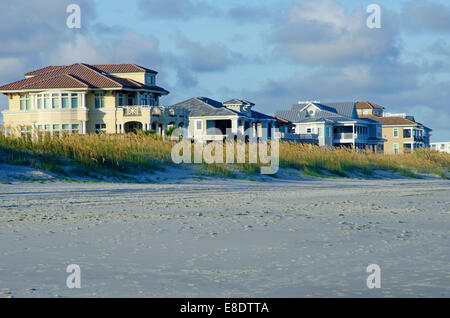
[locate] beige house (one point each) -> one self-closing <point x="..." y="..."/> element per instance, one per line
<point x="83" y="98"/>
<point x="402" y="133"/>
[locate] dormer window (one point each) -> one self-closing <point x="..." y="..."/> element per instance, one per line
<point x="310" y="112"/>
<point x="149" y="79"/>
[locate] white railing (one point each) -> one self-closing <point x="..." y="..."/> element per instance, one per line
<point x="290" y="136"/>
<point x="132" y="111"/>
<point x="347" y="135"/>
<point x="137" y="111"/>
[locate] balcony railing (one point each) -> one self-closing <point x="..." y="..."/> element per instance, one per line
<point x="346" y="135"/>
<point x="290" y="136"/>
<point x="132" y="111"/>
<point x="137" y="111"/>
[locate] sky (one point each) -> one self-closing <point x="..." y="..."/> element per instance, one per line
<point x="271" y="52"/>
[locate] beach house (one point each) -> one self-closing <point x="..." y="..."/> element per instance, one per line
<point x="335" y="124"/>
<point x="82" y="98"/>
<point x="441" y="146"/>
<point x="401" y="132"/>
<point x="210" y="119"/>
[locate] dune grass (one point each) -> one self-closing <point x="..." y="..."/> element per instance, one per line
<point x="134" y="153"/>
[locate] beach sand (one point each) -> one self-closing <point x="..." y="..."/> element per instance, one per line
<point x="217" y="237"/>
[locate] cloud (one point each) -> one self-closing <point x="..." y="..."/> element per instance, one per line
<point x="32" y="26"/>
<point x="244" y="13"/>
<point x="425" y="16"/>
<point x="322" y="32"/>
<point x="210" y="57"/>
<point x="176" y="9"/>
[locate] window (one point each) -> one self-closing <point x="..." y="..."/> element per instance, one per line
<point x="396" y="148"/>
<point x="25" y="131"/>
<point x="22" y="102"/>
<point x="121" y="99"/>
<point x="199" y="125"/>
<point x="65" y="100"/>
<point x="407" y="133"/>
<point x="55" y="127"/>
<point x="25" y="102"/>
<point x="328" y="132"/>
<point x="47" y="101"/>
<point x="100" y="128"/>
<point x="309" y="131"/>
<point x="55" y="100"/>
<point x="74" y="100"/>
<point x="47" y="128"/>
<point x="319" y="131"/>
<point x="75" y="128"/>
<point x="149" y="79"/>
<point x="130" y="100"/>
<point x="39" y="101"/>
<point x="396" y="132"/>
<point x="145" y="100"/>
<point x="99" y="100"/>
<point x="65" y="127"/>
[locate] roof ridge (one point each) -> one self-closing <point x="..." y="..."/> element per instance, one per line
<point x="225" y="108"/>
<point x="43" y="80"/>
<point x="49" y="68"/>
<point x="92" y="68"/>
<point x="76" y="78"/>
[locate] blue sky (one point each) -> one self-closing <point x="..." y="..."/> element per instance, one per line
<point x="272" y="52"/>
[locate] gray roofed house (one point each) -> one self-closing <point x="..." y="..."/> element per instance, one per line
<point x="336" y="124"/>
<point x="235" y="115"/>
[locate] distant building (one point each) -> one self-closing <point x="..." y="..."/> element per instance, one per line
<point x="335" y="124"/>
<point x="441" y="146"/>
<point x="402" y="133"/>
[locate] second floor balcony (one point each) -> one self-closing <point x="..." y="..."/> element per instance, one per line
<point x="157" y="111"/>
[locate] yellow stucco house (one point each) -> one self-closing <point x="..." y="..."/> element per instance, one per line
<point x="83" y="98"/>
<point x="401" y="132"/>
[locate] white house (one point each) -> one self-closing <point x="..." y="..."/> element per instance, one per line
<point x="236" y="115"/>
<point x="441" y="146"/>
<point x="336" y="124"/>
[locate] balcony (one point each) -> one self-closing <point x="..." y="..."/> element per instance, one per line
<point x="132" y="111"/>
<point x="158" y="111"/>
<point x="304" y="138"/>
<point x="347" y="135"/>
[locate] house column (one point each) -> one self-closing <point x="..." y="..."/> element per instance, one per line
<point x="83" y="127"/>
<point x="32" y="101"/>
<point x="234" y="126"/>
<point x="83" y="100"/>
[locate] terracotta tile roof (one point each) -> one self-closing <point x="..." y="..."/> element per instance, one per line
<point x="123" y="68"/>
<point x="43" y="70"/>
<point x="77" y="75"/>
<point x="367" y="105"/>
<point x="65" y="80"/>
<point x="391" y="121"/>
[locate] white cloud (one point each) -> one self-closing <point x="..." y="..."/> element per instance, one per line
<point x="323" y="32"/>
